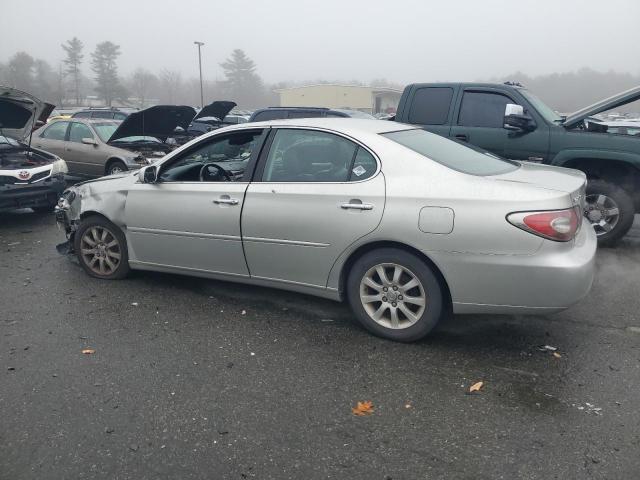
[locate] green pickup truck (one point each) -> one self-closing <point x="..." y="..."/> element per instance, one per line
<point x="509" y="121"/>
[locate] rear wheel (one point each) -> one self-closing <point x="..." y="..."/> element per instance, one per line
<point x="116" y="166"/>
<point x="101" y="249"/>
<point x="610" y="211"/>
<point x="395" y="295"/>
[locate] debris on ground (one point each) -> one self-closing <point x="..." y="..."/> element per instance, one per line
<point x="88" y="351"/>
<point x="547" y="348"/>
<point x="134" y="304"/>
<point x="588" y="408"/>
<point x="363" y="408"/>
<point x="244" y="312"/>
<point x="476" y="387"/>
<point x="557" y="355"/>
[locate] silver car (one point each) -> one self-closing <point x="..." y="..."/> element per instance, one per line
<point x="406" y="225"/>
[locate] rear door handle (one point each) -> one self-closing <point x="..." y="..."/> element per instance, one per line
<point x="462" y="136"/>
<point x="226" y="200"/>
<point x="356" y="206"/>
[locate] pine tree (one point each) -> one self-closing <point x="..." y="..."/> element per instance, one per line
<point x="103" y="64"/>
<point x="73" y="49"/>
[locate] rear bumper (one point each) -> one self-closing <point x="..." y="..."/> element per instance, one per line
<point x="40" y="194"/>
<point x="551" y="280"/>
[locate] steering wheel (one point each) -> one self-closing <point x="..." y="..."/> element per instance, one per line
<point x="204" y="170"/>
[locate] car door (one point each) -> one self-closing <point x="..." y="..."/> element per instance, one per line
<point x="314" y="193"/>
<point x="53" y="139"/>
<point x="189" y="220"/>
<point x="82" y="155"/>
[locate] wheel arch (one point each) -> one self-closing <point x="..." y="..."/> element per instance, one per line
<point x="112" y="160"/>
<point x="368" y="247"/>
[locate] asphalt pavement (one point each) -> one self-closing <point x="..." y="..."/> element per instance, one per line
<point x="198" y="379"/>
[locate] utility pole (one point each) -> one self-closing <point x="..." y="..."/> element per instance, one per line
<point x="200" y="44"/>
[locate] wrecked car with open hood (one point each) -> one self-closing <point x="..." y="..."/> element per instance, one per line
<point x="213" y="116"/>
<point x="29" y="177"/>
<point x="97" y="147"/>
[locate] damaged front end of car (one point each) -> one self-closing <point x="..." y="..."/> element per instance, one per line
<point x="105" y="196"/>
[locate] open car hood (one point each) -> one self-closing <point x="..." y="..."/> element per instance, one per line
<point x="19" y="112"/>
<point x="159" y="121"/>
<point x="218" y="109"/>
<point x="615" y="101"/>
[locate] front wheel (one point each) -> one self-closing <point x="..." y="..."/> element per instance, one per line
<point x="395" y="295"/>
<point x="116" y="167"/>
<point x="101" y="249"/>
<point x="610" y="211"/>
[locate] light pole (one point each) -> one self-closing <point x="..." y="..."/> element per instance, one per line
<point x="200" y="44"/>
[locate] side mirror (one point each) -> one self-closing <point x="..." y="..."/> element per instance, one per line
<point x="90" y="141"/>
<point x="148" y="174"/>
<point x="516" y="120"/>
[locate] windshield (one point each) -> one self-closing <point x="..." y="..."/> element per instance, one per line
<point x="451" y="154"/>
<point x="8" y="141"/>
<point x="105" y="130"/>
<point x="542" y="108"/>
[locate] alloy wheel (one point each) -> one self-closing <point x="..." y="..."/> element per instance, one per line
<point x="603" y="213"/>
<point x="100" y="250"/>
<point x="392" y="295"/>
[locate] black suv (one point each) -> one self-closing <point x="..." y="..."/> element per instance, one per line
<point x="279" y="113"/>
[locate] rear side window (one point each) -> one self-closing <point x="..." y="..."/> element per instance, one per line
<point x="451" y="154"/>
<point x="430" y="106"/>
<point x="364" y="166"/>
<point x="57" y="131"/>
<point x="119" y="116"/>
<point x="305" y="114"/>
<point x="82" y="115"/>
<point x="105" y="114"/>
<point x="483" y="109"/>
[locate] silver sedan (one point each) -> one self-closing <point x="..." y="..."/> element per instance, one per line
<point x="405" y="225"/>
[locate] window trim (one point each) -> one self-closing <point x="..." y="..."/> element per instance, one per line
<point x="248" y="173"/>
<point x="476" y="90"/>
<point x="262" y="160"/>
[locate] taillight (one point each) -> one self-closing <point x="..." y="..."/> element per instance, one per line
<point x="558" y="225"/>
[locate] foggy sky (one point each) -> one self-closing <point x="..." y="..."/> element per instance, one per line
<point x="294" y="40"/>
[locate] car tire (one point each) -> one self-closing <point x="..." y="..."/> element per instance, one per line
<point x="101" y="248"/>
<point x="116" y="166"/>
<point x="374" y="306"/>
<point x="602" y="198"/>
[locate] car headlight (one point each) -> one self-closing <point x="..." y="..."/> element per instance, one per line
<point x="141" y="160"/>
<point x="59" y="167"/>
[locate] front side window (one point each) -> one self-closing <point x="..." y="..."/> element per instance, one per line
<point x="78" y="132"/>
<point x="219" y="159"/>
<point x="298" y="155"/>
<point x="57" y="131"/>
<point x="451" y="154"/>
<point x="483" y="109"/>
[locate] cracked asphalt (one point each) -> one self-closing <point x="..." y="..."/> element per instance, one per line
<point x="198" y="379"/>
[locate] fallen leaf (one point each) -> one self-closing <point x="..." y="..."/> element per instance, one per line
<point x="363" y="408"/>
<point x="476" y="387"/>
<point x="557" y="355"/>
<point x="88" y="351"/>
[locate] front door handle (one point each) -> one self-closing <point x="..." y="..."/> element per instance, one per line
<point x="226" y="200"/>
<point x="462" y="136"/>
<point x="353" y="205"/>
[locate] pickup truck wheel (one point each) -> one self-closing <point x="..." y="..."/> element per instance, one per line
<point x="101" y="249"/>
<point x="395" y="295"/>
<point x="610" y="211"/>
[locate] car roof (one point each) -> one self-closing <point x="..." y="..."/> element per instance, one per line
<point x="345" y="125"/>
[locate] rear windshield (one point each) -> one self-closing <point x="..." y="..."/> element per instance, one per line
<point x="452" y="154"/>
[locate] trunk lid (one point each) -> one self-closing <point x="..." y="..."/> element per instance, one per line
<point x="614" y="101"/>
<point x="572" y="182"/>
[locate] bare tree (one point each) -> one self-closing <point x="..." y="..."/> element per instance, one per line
<point x="141" y="84"/>
<point x="170" y="84"/>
